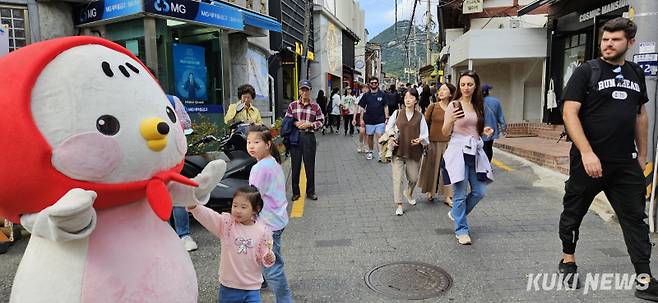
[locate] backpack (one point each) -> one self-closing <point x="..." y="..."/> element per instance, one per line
<point x="595" y="74"/>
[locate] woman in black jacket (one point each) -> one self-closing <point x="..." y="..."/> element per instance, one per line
<point x="322" y="101"/>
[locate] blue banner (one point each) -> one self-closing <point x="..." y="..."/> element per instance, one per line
<point x="216" y="14"/>
<point x="204" y="109"/>
<point x="190" y="72"/>
<point x="107" y="9"/>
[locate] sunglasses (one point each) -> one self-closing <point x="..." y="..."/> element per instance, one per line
<point x="619" y="78"/>
<point x="467" y="73"/>
<point x="374" y="82"/>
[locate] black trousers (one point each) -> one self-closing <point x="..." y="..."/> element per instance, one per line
<point x="347" y="122"/>
<point x="334" y="120"/>
<point x="304" y="151"/>
<point x="623" y="185"/>
<point x="488" y="149"/>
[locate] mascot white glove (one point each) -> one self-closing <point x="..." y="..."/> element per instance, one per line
<point x="208" y="179"/>
<point x="72" y="217"/>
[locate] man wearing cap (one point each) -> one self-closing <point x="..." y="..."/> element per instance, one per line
<point x="308" y="118"/>
<point x="493" y="117"/>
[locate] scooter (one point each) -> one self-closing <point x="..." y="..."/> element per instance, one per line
<point x="238" y="165"/>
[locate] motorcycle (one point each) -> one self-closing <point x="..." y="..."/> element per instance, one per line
<point x="233" y="146"/>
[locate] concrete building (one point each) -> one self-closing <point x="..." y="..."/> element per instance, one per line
<point x="373" y="60"/>
<point x="507" y="52"/>
<point x="286" y="66"/>
<point x="337" y="29"/>
<point x="30" y="21"/>
<point x="211" y="46"/>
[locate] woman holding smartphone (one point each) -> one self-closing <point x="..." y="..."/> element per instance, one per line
<point x="465" y="161"/>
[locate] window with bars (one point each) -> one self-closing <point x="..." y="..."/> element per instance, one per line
<point x="16" y="19"/>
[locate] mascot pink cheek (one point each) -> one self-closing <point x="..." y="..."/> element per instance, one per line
<point x="88" y="156"/>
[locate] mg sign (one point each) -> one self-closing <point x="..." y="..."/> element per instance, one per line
<point x="166" y="7"/>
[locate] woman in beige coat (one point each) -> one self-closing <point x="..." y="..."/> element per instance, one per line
<point x="430" y="181"/>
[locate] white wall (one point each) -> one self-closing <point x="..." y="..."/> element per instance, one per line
<point x="518" y="86"/>
<point x="498" y="3"/>
<point x="526" y="21"/>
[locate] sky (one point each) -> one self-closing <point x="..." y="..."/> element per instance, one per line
<point x="380" y="14"/>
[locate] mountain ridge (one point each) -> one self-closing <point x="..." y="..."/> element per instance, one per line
<point x="393" y="51"/>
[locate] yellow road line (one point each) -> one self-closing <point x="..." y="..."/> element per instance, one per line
<point x="297" y="210"/>
<point x="501" y="165"/>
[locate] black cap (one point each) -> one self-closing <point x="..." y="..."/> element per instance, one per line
<point x="305" y="83"/>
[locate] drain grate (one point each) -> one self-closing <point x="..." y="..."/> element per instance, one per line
<point x="408" y="280"/>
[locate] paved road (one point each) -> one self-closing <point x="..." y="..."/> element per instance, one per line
<point x="352" y="228"/>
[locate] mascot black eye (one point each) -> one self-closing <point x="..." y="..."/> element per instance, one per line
<point x="171" y="114"/>
<point x="107" y="125"/>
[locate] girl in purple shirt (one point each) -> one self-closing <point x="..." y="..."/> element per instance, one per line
<point x="267" y="176"/>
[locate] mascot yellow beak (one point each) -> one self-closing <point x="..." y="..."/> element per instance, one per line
<point x="154" y="131"/>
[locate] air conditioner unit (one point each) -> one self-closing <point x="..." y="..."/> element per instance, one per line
<point x="514" y="23"/>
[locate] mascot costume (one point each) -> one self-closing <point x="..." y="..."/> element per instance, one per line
<point x="90" y="161"/>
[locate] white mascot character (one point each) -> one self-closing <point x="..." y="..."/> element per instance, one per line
<point x="90" y="157"/>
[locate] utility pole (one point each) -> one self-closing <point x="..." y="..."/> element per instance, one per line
<point x="308" y="7"/>
<point x="646" y="18"/>
<point x="415" y="48"/>
<point x="645" y="15"/>
<point x="428" y="34"/>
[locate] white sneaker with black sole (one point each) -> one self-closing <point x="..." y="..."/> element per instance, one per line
<point x="189" y="243"/>
<point x="399" y="211"/>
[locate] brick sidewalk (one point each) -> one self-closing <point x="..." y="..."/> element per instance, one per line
<point x="545" y="152"/>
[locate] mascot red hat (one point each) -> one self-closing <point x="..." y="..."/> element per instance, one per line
<point x="29" y="182"/>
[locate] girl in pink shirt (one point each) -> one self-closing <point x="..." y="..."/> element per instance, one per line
<point x="246" y="245"/>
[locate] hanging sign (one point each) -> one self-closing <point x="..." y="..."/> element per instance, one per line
<point x="472" y="6"/>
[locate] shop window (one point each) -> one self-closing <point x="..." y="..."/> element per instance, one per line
<point x="16" y="19"/>
<point x="574" y="54"/>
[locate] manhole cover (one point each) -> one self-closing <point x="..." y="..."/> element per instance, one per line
<point x="408" y="280"/>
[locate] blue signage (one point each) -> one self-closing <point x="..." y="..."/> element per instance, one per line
<point x="216" y="14"/>
<point x="648" y="63"/>
<point x="107" y="9"/>
<point x="190" y="71"/>
<point x="204" y="109"/>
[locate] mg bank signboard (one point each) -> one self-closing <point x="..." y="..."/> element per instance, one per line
<point x="107" y="9"/>
<point x="216" y="14"/>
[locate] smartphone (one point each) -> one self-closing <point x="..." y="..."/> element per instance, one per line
<point x="458" y="107"/>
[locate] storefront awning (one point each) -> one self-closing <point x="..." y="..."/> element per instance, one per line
<point x="532" y="6"/>
<point x="260" y="21"/>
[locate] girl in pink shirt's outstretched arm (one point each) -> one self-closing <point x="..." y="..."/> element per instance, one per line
<point x="246" y="245"/>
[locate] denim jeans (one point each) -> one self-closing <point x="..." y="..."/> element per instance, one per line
<point x="274" y="275"/>
<point x="181" y="221"/>
<point x="233" y="295"/>
<point x="463" y="204"/>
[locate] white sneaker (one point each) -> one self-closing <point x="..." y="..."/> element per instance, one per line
<point x="369" y="156"/>
<point x="464" y="239"/>
<point x="358" y="150"/>
<point x="189" y="243"/>
<point x="399" y="211"/>
<point x="450" y="216"/>
<point x="410" y="199"/>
